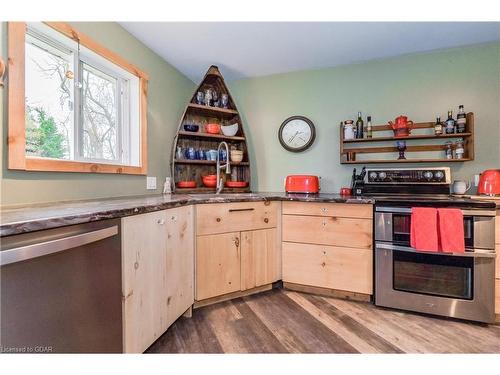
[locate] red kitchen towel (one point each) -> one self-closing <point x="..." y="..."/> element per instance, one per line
<point x="423" y="230"/>
<point x="451" y="230"/>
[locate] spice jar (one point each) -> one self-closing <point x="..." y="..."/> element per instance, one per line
<point x="459" y="149"/>
<point x="449" y="150"/>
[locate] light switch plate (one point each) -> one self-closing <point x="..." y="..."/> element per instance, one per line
<point x="151" y="183"/>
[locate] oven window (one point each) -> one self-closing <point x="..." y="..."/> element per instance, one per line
<point x="437" y="275"/>
<point x="401" y="227"/>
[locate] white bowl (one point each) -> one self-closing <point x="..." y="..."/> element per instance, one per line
<point x="230" y="130"/>
<point x="236" y="158"/>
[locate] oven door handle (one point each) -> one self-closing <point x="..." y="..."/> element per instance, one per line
<point x="407" y="210"/>
<point x="475" y="254"/>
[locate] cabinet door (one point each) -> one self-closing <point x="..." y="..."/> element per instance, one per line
<point x="217" y="265"/>
<point x="144" y="260"/>
<point x="260" y="258"/>
<point x="180" y="262"/>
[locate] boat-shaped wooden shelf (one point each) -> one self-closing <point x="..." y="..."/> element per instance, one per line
<point x="350" y="152"/>
<point x="184" y="169"/>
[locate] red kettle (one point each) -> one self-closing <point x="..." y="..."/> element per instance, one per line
<point x="489" y="182"/>
<point x="402" y="126"/>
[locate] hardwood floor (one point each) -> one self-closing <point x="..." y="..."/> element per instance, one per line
<point x="281" y="321"/>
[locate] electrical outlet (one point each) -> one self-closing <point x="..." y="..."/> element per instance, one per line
<point x="151" y="183"/>
<point x="476" y="180"/>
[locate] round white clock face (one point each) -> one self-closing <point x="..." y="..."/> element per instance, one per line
<point x="296" y="133"/>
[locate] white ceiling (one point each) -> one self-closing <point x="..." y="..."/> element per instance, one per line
<point x="251" y="49"/>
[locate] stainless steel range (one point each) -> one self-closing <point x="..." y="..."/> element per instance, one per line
<point x="458" y="285"/>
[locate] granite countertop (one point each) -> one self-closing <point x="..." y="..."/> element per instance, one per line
<point x="30" y="218"/>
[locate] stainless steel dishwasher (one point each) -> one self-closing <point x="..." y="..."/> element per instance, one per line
<point x="60" y="290"/>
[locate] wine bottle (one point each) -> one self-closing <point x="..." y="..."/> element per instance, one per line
<point x="461" y="119"/>
<point x="450" y="123"/>
<point x="438" y="127"/>
<point x="369" y="127"/>
<point x="359" y="126"/>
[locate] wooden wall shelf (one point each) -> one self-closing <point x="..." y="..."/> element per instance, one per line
<point x="354" y="148"/>
<point x="373" y="161"/>
<point x="222" y="137"/>
<point x="207" y="162"/>
<point x="193" y="170"/>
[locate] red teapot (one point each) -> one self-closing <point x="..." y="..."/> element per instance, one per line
<point x="402" y="127"/>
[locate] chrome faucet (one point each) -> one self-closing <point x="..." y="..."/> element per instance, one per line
<point x="220" y="183"/>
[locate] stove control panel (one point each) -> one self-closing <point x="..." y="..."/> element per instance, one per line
<point x="439" y="175"/>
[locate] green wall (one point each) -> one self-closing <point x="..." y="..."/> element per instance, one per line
<point x="421" y="86"/>
<point x="168" y="93"/>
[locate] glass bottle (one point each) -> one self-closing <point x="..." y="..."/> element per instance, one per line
<point x="461" y="119"/>
<point x="450" y="123"/>
<point x="369" y="127"/>
<point x="359" y="126"/>
<point x="438" y="127"/>
<point x="449" y="150"/>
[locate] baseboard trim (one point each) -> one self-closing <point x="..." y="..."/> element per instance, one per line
<point x="328" y="292"/>
<point x="227" y="297"/>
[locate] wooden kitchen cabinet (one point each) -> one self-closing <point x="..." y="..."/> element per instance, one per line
<point x="260" y="258"/>
<point x="333" y="267"/>
<point x="217" y="264"/>
<point x="238" y="247"/>
<point x="180" y="262"/>
<point x="328" y="245"/>
<point x="337" y="231"/>
<point x="235" y="217"/>
<point x="157" y="274"/>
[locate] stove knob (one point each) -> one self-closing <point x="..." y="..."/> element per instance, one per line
<point x="382" y="175"/>
<point x="428" y="175"/>
<point x="373" y="175"/>
<point x="439" y="175"/>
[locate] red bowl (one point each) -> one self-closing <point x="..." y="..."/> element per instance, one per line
<point x="236" y="184"/>
<point x="209" y="177"/>
<point x="212" y="128"/>
<point x="186" y="184"/>
<point x="210" y="183"/>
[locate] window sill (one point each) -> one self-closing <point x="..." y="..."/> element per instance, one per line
<point x="54" y="165"/>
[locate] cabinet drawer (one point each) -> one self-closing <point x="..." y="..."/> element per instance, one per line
<point x="364" y="211"/>
<point x="497" y="296"/>
<point x="335" y="231"/>
<point x="331" y="267"/>
<point x="235" y="217"/>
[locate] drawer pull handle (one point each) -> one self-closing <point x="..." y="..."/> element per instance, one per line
<point x="323" y="264"/>
<point x="267" y="203"/>
<point x="240" y="209"/>
<point x="236" y="242"/>
<point x="218" y="219"/>
<point x="266" y="220"/>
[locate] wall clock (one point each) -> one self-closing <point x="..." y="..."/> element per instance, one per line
<point x="296" y="133"/>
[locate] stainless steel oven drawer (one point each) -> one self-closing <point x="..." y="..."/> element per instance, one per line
<point x="478" y="305"/>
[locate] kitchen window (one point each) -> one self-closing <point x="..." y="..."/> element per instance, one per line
<point x="74" y="106"/>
